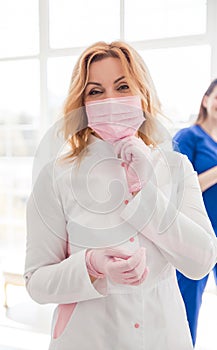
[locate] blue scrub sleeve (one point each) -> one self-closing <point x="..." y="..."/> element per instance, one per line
<point x="184" y="142"/>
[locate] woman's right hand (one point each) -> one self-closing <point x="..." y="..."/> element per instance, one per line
<point x="118" y="265"/>
<point x="137" y="161"/>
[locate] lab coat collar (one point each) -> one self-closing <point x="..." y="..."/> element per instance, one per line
<point x="98" y="145"/>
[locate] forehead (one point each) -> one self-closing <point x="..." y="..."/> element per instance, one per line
<point x="107" y="69"/>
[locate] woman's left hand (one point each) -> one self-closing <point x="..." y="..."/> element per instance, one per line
<point x="136" y="161"/>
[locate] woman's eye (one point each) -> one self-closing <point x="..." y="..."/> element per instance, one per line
<point x="94" y="92"/>
<point x="123" y="87"/>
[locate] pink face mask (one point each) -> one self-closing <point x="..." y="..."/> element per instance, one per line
<point x="115" y="118"/>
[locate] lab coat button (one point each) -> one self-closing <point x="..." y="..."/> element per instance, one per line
<point x="136" y="325"/>
<point x="132" y="239"/>
<point x="123" y="164"/>
<point x="126" y="201"/>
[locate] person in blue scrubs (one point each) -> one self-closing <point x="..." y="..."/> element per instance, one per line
<point x="199" y="143"/>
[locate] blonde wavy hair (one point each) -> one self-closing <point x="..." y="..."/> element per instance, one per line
<point x="138" y="79"/>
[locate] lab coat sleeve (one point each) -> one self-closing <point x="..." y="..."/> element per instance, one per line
<point x="180" y="228"/>
<point x="51" y="276"/>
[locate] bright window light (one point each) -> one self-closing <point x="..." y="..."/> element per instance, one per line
<point x="154" y="19"/>
<point x="181" y="75"/>
<point x="19" y="31"/>
<point x="80" y="23"/>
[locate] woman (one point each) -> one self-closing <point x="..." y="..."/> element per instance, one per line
<point x="199" y="143"/>
<point x="109" y="222"/>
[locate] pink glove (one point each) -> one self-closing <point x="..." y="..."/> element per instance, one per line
<point x="137" y="161"/>
<point x="120" y="266"/>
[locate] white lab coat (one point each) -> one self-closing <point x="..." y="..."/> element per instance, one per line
<point x="72" y="209"/>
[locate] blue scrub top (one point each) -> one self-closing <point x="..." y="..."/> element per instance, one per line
<point x="201" y="150"/>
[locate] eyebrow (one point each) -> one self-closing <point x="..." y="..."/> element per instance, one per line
<point x="98" y="84"/>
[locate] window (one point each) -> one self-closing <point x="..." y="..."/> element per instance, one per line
<point x="20" y="104"/>
<point x="19" y="123"/>
<point x="59" y="74"/>
<point x="84" y="22"/>
<point x="19" y="34"/>
<point x="154" y="19"/>
<point x="181" y="75"/>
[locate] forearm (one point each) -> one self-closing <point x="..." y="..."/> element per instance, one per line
<point x="183" y="234"/>
<point x="62" y="283"/>
<point x="190" y="247"/>
<point x="208" y="178"/>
